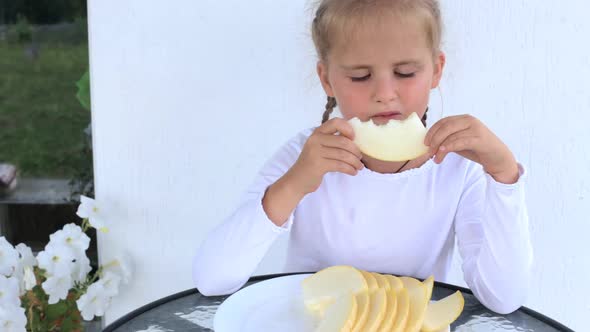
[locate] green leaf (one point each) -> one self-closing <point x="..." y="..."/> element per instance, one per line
<point x="83" y="94"/>
<point x="70" y="323"/>
<point x="37" y="323"/>
<point x="40" y="294"/>
<point x="24" y="300"/>
<point x="56" y="311"/>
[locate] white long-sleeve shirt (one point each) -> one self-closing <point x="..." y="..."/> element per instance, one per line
<point x="403" y="224"/>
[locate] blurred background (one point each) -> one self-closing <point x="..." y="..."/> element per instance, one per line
<point x="44" y="48"/>
<point x="189" y="99"/>
<point x="45" y="135"/>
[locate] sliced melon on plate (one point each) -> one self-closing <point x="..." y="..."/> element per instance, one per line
<point x="323" y="287"/>
<point x="429" y="283"/>
<point x="378" y="305"/>
<point x="410" y="283"/>
<point x="403" y="311"/>
<point x="418" y="304"/>
<point x="371" y="281"/>
<point x="443" y="312"/>
<point x="381" y="281"/>
<point x="390" y="312"/>
<point x="340" y="316"/>
<point x="362" y="312"/>
<point x="394" y="282"/>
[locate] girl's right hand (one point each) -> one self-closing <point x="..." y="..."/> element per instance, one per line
<point x="323" y="152"/>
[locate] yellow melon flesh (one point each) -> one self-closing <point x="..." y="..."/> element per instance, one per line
<point x="442" y="313"/>
<point x="371" y="281"/>
<point x="321" y="289"/>
<point x="429" y="283"/>
<point x="403" y="311"/>
<point x="346" y="299"/>
<point x="378" y="305"/>
<point x="418" y="303"/>
<point x="394" y="282"/>
<point x="390" y="312"/>
<point x="381" y="281"/>
<point x="340" y="316"/>
<point x="362" y="313"/>
<point x="398" y="140"/>
<point x="410" y="283"/>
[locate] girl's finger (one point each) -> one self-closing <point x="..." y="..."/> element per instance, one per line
<point x="344" y="156"/>
<point x="446" y="130"/>
<point x="340" y="142"/>
<point x="435" y="127"/>
<point x="340" y="166"/>
<point x="457" y="142"/>
<point x="337" y="125"/>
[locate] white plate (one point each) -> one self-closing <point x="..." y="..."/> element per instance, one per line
<point x="270" y="305"/>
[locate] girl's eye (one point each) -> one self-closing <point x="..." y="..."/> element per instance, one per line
<point x="360" y="79"/>
<point x="402" y="75"/>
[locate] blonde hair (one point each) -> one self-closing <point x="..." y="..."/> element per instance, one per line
<point x="338" y="19"/>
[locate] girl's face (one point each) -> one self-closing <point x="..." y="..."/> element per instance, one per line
<point x="382" y="73"/>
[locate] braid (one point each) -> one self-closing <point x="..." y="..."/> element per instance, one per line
<point x="424" y="117"/>
<point x="329" y="108"/>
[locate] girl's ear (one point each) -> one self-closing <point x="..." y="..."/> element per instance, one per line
<point x="322" y="70"/>
<point x="439" y="64"/>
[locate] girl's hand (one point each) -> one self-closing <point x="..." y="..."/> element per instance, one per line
<point x="326" y="152"/>
<point x="470" y="138"/>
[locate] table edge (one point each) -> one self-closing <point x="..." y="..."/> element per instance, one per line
<point x="131" y="315"/>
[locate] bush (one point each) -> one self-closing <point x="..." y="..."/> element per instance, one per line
<point x="21" y="32"/>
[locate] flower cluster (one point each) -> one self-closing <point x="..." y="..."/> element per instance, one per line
<point x="52" y="291"/>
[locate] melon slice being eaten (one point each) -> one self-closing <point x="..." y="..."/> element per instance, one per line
<point x="398" y="140"/>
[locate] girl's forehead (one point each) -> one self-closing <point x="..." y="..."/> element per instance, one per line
<point x="391" y="41"/>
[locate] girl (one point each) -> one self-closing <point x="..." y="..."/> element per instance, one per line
<point x="378" y="60"/>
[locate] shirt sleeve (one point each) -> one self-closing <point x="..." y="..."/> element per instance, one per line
<point x="492" y="230"/>
<point x="230" y="253"/>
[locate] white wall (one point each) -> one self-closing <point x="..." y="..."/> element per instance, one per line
<point x="191" y="97"/>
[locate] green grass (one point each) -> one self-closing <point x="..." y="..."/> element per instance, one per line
<point x="41" y="121"/>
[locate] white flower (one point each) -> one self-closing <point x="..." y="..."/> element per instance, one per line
<point x="9" y="292"/>
<point x="110" y="282"/>
<point x="56" y="260"/>
<point x="94" y="302"/>
<point x="57" y="287"/>
<point x="121" y="266"/>
<point x="29" y="278"/>
<point x="12" y="319"/>
<point x="26" y="255"/>
<point x="81" y="268"/>
<point x="8" y="257"/>
<point x="26" y="260"/>
<point x="71" y="236"/>
<point x="88" y="209"/>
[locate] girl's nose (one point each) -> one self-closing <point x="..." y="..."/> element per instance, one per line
<point x="385" y="90"/>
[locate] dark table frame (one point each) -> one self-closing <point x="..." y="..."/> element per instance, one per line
<point x="135" y="313"/>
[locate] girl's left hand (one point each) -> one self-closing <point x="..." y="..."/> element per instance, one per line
<point x="470" y="138"/>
